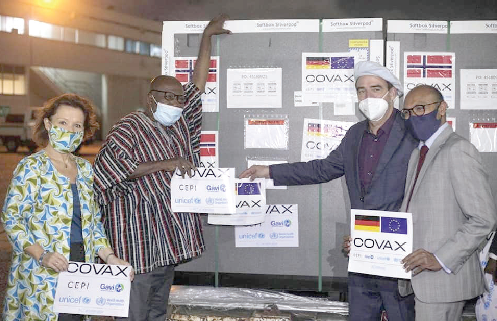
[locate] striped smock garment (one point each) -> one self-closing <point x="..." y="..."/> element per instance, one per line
<point x="137" y="213"/>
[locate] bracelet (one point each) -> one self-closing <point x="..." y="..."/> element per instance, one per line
<point x="40" y="260"/>
<point x="107" y="257"/>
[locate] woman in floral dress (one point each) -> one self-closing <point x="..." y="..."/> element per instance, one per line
<point x="49" y="214"/>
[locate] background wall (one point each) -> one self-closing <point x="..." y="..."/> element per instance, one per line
<point x="161" y="10"/>
<point x="124" y="95"/>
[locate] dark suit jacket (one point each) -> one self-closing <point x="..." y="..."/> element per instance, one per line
<point x="387" y="187"/>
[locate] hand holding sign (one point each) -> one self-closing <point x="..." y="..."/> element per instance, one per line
<point x="114" y="260"/>
<point x="421" y="260"/>
<point x="181" y="165"/>
<point x="255" y="171"/>
<point x="55" y="261"/>
<point x="346" y="245"/>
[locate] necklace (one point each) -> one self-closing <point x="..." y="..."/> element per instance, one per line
<point x="65" y="162"/>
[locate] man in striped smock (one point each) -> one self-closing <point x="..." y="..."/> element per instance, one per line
<point x="133" y="173"/>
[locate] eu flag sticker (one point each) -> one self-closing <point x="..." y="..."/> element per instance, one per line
<point x="394" y="225"/>
<point x="248" y="189"/>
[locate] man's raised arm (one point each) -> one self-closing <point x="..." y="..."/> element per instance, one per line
<point x="215" y="27"/>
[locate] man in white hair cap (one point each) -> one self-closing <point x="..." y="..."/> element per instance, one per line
<point x="373" y="157"/>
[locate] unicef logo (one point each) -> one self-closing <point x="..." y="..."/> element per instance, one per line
<point x="119" y="287"/>
<point x="261" y="235"/>
<point x="222" y="187"/>
<point x="197" y="200"/>
<point x="86" y="300"/>
<point x="273" y="235"/>
<point x="287" y="223"/>
<point x="100" y="301"/>
<point x="209" y="201"/>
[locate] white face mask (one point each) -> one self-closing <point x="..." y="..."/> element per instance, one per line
<point x="166" y="114"/>
<point x="374" y="108"/>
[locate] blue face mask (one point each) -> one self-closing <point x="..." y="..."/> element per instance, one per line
<point x="422" y="127"/>
<point x="166" y="114"/>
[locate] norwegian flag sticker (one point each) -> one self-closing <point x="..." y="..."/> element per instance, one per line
<point x="436" y="69"/>
<point x="209" y="149"/>
<point x="429" y="66"/>
<point x="184" y="67"/>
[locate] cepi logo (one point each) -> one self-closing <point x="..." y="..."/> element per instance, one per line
<point x="285" y="223"/>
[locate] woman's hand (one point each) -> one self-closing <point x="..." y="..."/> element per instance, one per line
<point x="55" y="261"/>
<point x="114" y="260"/>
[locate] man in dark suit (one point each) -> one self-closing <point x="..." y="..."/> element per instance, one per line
<point x="373" y="156"/>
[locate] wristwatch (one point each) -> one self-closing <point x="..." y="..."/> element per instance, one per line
<point x="40" y="260"/>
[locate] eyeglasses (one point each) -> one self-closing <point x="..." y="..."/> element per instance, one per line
<point x="172" y="96"/>
<point x="418" y="110"/>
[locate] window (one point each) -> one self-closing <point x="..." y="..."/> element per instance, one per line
<point x="91" y="38"/>
<point x="115" y="43"/>
<point x="144" y="48"/>
<point x="155" y="50"/>
<point x="69" y="34"/>
<point x="131" y="46"/>
<point x="12" y="24"/>
<point x="12" y="80"/>
<point x="56" y="32"/>
<point x="45" y="30"/>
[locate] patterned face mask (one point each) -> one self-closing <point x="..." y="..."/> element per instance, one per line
<point x="64" y="141"/>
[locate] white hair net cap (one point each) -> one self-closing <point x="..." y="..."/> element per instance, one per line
<point x="363" y="68"/>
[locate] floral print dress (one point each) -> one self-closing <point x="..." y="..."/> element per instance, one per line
<point x="38" y="208"/>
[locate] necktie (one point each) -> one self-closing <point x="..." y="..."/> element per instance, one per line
<point x="422" y="156"/>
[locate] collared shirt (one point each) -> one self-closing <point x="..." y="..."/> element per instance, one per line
<point x="370" y="151"/>
<point x="137" y="212"/>
<point x="434" y="136"/>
